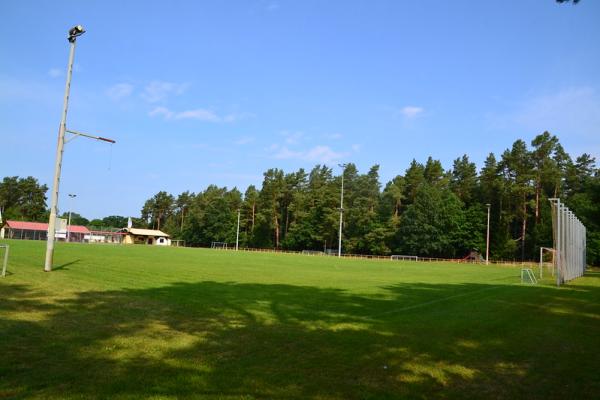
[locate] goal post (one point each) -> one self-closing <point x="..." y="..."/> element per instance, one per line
<point x="218" y="245"/>
<point x="527" y="276"/>
<point x="551" y="265"/>
<point x="313" y="252"/>
<point x="4" y="259"/>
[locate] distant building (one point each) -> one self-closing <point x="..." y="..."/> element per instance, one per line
<point x="104" y="237"/>
<point x="145" y="236"/>
<point x="39" y="231"/>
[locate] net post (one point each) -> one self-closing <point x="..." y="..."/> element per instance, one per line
<point x="5" y="263"/>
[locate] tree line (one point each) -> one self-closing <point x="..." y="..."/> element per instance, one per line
<point x="427" y="211"/>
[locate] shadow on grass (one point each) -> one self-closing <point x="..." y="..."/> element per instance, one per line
<point x="229" y="340"/>
<point x="65" y="265"/>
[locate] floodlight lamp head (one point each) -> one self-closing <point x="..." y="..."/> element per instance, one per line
<point x="74" y="32"/>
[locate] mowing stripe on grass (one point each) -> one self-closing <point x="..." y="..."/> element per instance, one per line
<point x="427" y="303"/>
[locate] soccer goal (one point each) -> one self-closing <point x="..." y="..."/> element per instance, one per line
<point x="178" y="243"/>
<point x="312" y="252"/>
<point x="219" y="245"/>
<point x="4" y="247"/>
<point x="527" y="276"/>
<point x="569" y="236"/>
<point x="547" y="253"/>
<point x="399" y="257"/>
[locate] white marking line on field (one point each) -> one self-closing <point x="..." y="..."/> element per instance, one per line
<point x="427" y="303"/>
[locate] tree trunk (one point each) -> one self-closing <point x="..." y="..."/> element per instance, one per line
<point x="287" y="220"/>
<point x="524" y="228"/>
<point x="538" y="189"/>
<point x="276" y="232"/>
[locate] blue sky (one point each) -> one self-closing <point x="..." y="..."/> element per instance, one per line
<point x="219" y="91"/>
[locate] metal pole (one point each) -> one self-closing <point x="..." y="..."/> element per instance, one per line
<point x="556" y="208"/>
<point x="71" y="196"/>
<point x="68" y="226"/>
<point x="341" y="212"/>
<point x="487" y="242"/>
<point x="560" y="240"/>
<point x="58" y="165"/>
<point x="541" y="264"/>
<point x="5" y="263"/>
<point x="237" y="235"/>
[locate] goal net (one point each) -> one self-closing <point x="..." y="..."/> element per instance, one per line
<point x="312" y="252"/>
<point x="569" y="236"/>
<point x="400" y="257"/>
<point x="547" y="260"/>
<point x="218" y="245"/>
<point x="527" y="276"/>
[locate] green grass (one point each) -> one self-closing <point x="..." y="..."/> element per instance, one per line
<point x="126" y="322"/>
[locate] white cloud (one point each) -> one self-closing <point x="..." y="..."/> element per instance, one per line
<point x="335" y="136"/>
<point x="243" y="140"/>
<point x="200" y="114"/>
<point x="323" y="154"/>
<point x="161" y="111"/>
<point x="292" y="137"/>
<point x="272" y="6"/>
<point x="237" y="116"/>
<point x="411" y="111"/>
<point x="157" y="91"/>
<point x="119" y="91"/>
<point x="320" y="154"/>
<point x="55" y="72"/>
<point x="569" y="111"/>
<point x="356" y="147"/>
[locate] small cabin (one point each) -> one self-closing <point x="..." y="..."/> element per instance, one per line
<point x="145" y="236"/>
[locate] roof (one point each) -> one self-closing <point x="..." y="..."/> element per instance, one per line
<point x="42" y="226"/>
<point x="145" y="232"/>
<point x="106" y="233"/>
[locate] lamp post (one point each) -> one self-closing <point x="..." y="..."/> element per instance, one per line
<point x="487" y="240"/>
<point x="343" y="166"/>
<point x="72" y="196"/>
<point x="73" y="34"/>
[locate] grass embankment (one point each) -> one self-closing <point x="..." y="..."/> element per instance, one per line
<point x="147" y="322"/>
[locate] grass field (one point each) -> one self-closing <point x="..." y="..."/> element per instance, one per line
<point x="126" y="322"/>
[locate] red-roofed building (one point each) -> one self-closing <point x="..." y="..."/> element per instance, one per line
<point x="39" y="231"/>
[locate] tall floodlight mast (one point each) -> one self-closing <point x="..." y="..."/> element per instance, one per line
<point x="74" y="33"/>
<point x="343" y="166"/>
